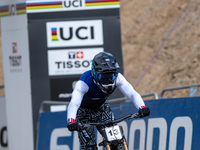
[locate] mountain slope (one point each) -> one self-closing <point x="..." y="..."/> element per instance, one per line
<point x="161" y="44"/>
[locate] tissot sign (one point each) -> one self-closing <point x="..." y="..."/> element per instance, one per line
<point x="74" y="33"/>
<point x="73" y="61"/>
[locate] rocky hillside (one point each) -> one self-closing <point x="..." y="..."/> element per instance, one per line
<point x="161" y="44"/>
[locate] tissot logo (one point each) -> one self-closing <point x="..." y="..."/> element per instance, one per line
<point x="74" y="33"/>
<point x="73" y="61"/>
<point x="75" y="55"/>
<point x="79" y="55"/>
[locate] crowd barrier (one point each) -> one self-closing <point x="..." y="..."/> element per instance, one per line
<point x="173" y="124"/>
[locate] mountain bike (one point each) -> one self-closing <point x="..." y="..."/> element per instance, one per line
<point x="113" y="135"/>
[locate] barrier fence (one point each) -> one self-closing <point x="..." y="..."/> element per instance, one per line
<point x="112" y="101"/>
<point x="171" y="125"/>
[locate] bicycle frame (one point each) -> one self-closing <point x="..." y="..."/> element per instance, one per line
<point x="113" y="135"/>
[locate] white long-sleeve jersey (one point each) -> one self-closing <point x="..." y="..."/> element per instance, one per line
<point x="87" y="94"/>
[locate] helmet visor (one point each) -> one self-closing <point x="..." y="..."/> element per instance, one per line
<point x="104" y="77"/>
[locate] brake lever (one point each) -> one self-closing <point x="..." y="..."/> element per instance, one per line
<point x="136" y="115"/>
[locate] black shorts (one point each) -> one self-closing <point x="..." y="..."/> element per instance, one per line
<point x="84" y="115"/>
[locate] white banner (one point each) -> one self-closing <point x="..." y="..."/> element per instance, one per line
<point x="17" y="82"/>
<point x="71" y="61"/>
<point x="74" y="33"/>
<point x="35" y="6"/>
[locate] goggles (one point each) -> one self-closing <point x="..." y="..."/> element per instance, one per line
<point x="103" y="77"/>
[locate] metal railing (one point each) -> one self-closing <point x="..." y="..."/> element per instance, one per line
<point x="193" y="92"/>
<point x="125" y="99"/>
<point x="150" y="94"/>
<point x="193" y="89"/>
<point x="111" y="101"/>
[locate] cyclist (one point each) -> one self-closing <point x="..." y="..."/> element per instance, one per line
<point x="89" y="97"/>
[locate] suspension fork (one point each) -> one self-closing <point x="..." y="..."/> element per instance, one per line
<point x="108" y="147"/>
<point x="124" y="139"/>
<point x="104" y="143"/>
<point x="125" y="145"/>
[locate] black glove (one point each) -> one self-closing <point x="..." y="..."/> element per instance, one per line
<point x="144" y="112"/>
<point x="72" y="126"/>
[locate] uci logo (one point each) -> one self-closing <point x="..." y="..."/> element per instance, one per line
<point x="68" y="34"/>
<point x="74" y="33"/>
<point x="72" y="3"/>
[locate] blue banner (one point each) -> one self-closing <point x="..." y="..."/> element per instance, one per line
<point x="173" y="124"/>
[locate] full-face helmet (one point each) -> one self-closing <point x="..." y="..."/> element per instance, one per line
<point x="104" y="71"/>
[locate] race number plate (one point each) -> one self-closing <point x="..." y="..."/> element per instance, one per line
<point x="113" y="133"/>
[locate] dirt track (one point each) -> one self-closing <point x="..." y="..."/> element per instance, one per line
<point x="161" y="44"/>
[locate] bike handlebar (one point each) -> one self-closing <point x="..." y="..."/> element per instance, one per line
<point x="89" y="125"/>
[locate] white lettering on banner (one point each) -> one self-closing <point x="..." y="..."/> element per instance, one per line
<point x="178" y="122"/>
<point x="140" y="125"/>
<point x="74" y="33"/>
<point x="63" y="132"/>
<point x="56" y="133"/>
<point x="162" y="125"/>
<point x="71" y="61"/>
<point x="64" y="95"/>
